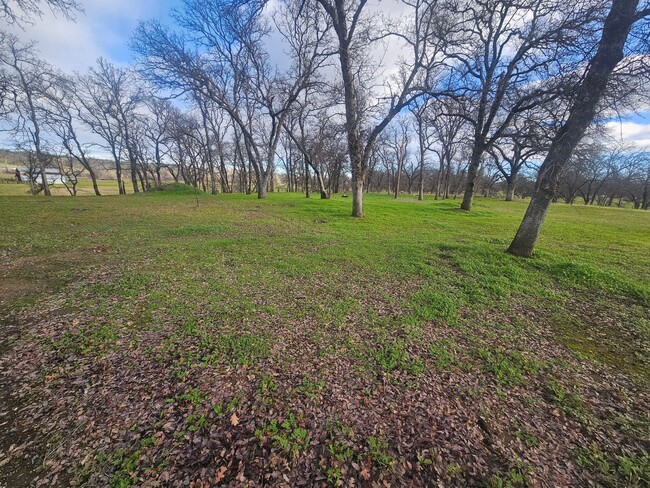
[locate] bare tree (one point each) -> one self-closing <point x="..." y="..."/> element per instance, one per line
<point x="513" y="152"/>
<point x="232" y="68"/>
<point x="313" y="132"/>
<point x="157" y="127"/>
<point x="420" y="35"/>
<point x="63" y="121"/>
<point x="70" y="171"/>
<point x="449" y="127"/>
<point x="108" y="97"/>
<point x="616" y="29"/>
<point x="507" y="57"/>
<point x="422" y="124"/>
<point x="398" y="140"/>
<point x="23" y="11"/>
<point x="32" y="84"/>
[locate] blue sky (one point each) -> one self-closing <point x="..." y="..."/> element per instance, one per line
<point x="103" y="30"/>
<point x="106" y="26"/>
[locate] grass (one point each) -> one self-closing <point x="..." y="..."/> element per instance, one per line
<point x="84" y="188"/>
<point x="287" y="290"/>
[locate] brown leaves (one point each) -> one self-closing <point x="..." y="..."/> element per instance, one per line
<point x="220" y="475"/>
<point x="435" y="424"/>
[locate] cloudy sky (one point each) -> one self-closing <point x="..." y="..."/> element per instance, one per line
<point x="103" y="30"/>
<point x="105" y="27"/>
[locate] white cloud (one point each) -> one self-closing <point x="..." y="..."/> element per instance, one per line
<point x="102" y="30"/>
<point x="635" y="133"/>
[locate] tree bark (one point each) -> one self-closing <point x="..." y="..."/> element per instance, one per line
<point x="511" y="184"/>
<point x="357" y="195"/>
<point x="307" y="185"/>
<point x="421" y="187"/>
<point x="472" y="173"/>
<point x="610" y="52"/>
<point x="398" y="177"/>
<point x="93" y="178"/>
<point x="261" y="186"/>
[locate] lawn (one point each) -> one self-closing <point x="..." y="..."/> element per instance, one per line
<point x="84" y="188"/>
<point x="173" y="339"/>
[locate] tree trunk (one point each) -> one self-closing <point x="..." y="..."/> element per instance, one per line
<point x="446" y="182"/>
<point x="93" y="178"/>
<point x="143" y="184"/>
<point x="357" y="195"/>
<point x="249" y="187"/>
<point x="422" y="152"/>
<point x="472" y="173"/>
<point x="45" y="184"/>
<point x="307" y="185"/>
<point x="261" y="187"/>
<point x="134" y="178"/>
<point x="610" y="52"/>
<point x="321" y="184"/>
<point x="511" y="183"/>
<point x="439" y="178"/>
<point x="398" y="177"/>
<point x="118" y="175"/>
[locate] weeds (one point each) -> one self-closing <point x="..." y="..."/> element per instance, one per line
<point x="568" y="401"/>
<point x="442" y="352"/>
<point x="378" y="447"/>
<point x="509" y="368"/>
<point x="286" y="435"/>
<point x="391" y="356"/>
<point x="631" y="471"/>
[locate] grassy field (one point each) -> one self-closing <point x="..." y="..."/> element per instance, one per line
<point x="84" y="188"/>
<point x="172" y="339"/>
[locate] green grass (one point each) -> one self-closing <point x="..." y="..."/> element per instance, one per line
<point x="84" y="188"/>
<point x="454" y="260"/>
<point x="411" y="293"/>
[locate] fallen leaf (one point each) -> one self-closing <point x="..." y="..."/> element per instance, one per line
<point x="220" y="475"/>
<point x="234" y="420"/>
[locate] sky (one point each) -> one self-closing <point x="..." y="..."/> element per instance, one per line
<point x="105" y="27"/>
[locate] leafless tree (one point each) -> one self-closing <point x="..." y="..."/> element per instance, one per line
<point x="449" y="126"/>
<point x="507" y="57"/>
<point x="32" y="82"/>
<point x="613" y="47"/>
<point x="157" y="127"/>
<point x="526" y="141"/>
<point x="70" y="171"/>
<point x="231" y="67"/>
<point x="398" y="140"/>
<point x="423" y="129"/>
<point x="107" y="106"/>
<point x="23" y="11"/>
<point x="420" y="35"/>
<point x="312" y="129"/>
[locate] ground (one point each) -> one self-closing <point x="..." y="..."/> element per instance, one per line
<point x="85" y="188"/>
<point x="181" y="340"/>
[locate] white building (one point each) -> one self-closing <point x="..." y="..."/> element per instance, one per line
<point x="53" y="176"/>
